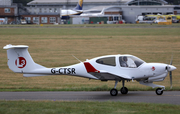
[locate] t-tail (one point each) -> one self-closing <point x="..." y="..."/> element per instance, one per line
<point x="79" y="5"/>
<point x="19" y="59"/>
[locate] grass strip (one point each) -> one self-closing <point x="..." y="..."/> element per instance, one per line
<point x="84" y="107"/>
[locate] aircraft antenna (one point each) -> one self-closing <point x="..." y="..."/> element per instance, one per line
<point x="77" y="59"/>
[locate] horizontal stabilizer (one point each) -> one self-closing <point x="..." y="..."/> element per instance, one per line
<point x="15" y="46"/>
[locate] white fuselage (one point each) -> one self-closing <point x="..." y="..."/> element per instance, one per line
<point x="91" y="14"/>
<point x="146" y="71"/>
<point x="66" y="13"/>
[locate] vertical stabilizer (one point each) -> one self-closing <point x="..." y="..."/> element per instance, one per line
<point x="79" y="5"/>
<point x="19" y="59"/>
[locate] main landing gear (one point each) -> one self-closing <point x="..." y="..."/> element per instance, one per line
<point x="123" y="90"/>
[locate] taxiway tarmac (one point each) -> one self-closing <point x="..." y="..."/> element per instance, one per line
<point x="168" y="97"/>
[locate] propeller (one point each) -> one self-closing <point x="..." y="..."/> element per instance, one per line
<point x="170" y="68"/>
<point x="170" y="76"/>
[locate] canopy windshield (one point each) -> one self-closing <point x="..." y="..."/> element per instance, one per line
<point x="130" y="61"/>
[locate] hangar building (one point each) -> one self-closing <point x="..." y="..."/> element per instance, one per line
<point x="129" y="9"/>
<point x="48" y="11"/>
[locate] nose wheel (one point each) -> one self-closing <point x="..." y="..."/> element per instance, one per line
<point x="159" y="91"/>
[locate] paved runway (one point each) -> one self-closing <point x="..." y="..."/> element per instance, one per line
<point x="168" y="97"/>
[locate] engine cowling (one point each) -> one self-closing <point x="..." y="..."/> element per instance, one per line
<point x="157" y="78"/>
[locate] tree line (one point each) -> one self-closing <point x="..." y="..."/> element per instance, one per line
<point x="24" y="2"/>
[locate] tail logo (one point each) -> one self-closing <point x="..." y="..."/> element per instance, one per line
<point x="20" y="62"/>
<point x="80" y="2"/>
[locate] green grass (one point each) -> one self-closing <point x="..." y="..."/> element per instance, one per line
<point x="90" y="31"/>
<point x="82" y="107"/>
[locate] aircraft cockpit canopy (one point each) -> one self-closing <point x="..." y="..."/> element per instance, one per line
<point x="130" y="61"/>
<point x="124" y="61"/>
<point x="107" y="61"/>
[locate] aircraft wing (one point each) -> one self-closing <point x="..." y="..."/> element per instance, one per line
<point x="85" y="10"/>
<point x="89" y="10"/>
<point x="102" y="74"/>
<point x="79" y="10"/>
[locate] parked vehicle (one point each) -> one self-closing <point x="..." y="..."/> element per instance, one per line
<point x="2" y="21"/>
<point x="145" y="19"/>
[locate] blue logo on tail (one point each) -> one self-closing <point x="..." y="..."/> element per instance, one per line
<point x="79" y="5"/>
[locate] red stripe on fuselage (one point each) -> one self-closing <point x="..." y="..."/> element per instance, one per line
<point x="90" y="68"/>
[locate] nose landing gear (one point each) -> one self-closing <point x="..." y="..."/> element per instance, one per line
<point x="159" y="91"/>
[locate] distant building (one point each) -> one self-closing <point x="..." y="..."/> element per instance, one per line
<point x="9" y="11"/>
<point x="92" y="3"/>
<point x="48" y="11"/>
<point x="42" y="13"/>
<point x="6" y="2"/>
<point x="129" y="9"/>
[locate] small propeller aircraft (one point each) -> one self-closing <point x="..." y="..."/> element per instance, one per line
<point x="111" y="67"/>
